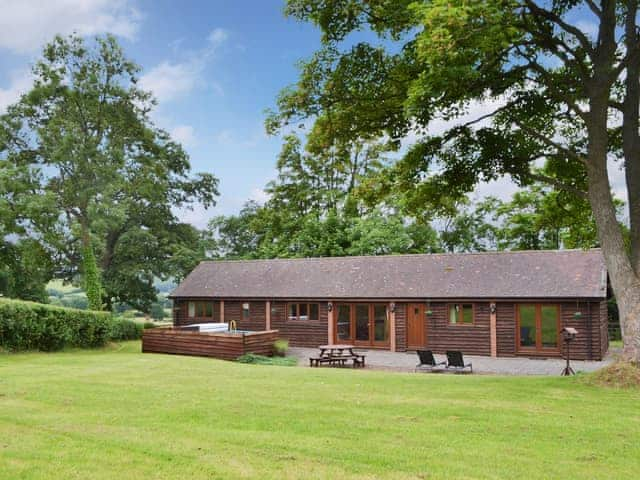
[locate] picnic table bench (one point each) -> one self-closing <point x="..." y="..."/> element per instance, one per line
<point x="337" y="355"/>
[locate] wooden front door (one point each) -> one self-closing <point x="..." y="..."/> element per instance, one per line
<point x="416" y="338"/>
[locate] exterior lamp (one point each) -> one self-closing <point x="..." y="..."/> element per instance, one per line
<point x="392" y="307"/>
<point x="492" y="308"/>
<point x="330" y="306"/>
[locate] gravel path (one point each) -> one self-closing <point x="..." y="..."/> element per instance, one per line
<point x="406" y="362"/>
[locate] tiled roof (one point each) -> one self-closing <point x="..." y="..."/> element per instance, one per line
<point x="526" y="274"/>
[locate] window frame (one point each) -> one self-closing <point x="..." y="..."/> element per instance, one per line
<point x="297" y="318"/>
<point x="460" y="306"/>
<point x="539" y="348"/>
<point x="245" y="312"/>
<point x="200" y="309"/>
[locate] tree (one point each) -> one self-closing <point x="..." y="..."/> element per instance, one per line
<point x="25" y="268"/>
<point x="95" y="162"/>
<point x="553" y="90"/>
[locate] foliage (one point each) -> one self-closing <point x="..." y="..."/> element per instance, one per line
<point x="36" y="326"/>
<point x="25" y="269"/>
<point x="123" y="329"/>
<point x="262" y="360"/>
<point x="313" y="209"/>
<point x="92" y="282"/>
<point x="280" y="347"/>
<point x="33" y="326"/>
<point x="552" y="90"/>
<point x="157" y="311"/>
<point x="82" y="165"/>
<point x="266" y="420"/>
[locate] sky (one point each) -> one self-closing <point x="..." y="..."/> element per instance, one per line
<point x="213" y="65"/>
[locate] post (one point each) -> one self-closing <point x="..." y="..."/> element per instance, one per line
<point x="330" y="322"/>
<point x="392" y="328"/>
<point x="221" y="311"/>
<point x="267" y="315"/>
<point x="493" y="327"/>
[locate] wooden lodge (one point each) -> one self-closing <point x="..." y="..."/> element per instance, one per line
<point x="497" y="304"/>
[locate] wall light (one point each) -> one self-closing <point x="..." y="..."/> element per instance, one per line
<point x="330" y="306"/>
<point x="492" y="308"/>
<point x="392" y="307"/>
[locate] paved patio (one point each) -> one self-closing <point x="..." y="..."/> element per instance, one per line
<point x="406" y="362"/>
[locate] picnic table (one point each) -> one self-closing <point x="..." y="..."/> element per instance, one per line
<point x="337" y="355"/>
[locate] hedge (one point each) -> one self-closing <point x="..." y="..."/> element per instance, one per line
<point x="37" y="326"/>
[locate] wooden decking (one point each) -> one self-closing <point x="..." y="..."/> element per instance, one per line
<point x="225" y="346"/>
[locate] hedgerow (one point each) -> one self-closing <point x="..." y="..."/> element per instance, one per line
<point x="37" y="326"/>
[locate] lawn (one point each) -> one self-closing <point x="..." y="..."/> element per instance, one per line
<point x="116" y="413"/>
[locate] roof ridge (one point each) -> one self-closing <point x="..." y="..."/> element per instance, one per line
<point x="436" y="254"/>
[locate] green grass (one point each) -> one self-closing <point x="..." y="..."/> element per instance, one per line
<point x="615" y="343"/>
<point x="116" y="413"/>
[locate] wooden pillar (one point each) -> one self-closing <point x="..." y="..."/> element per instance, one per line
<point x="331" y="312"/>
<point x="267" y="315"/>
<point x="392" y="329"/>
<point x="493" y="321"/>
<point x="221" y="311"/>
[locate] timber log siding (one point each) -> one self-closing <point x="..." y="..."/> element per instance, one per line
<point x="202" y="344"/>
<point x="474" y="339"/>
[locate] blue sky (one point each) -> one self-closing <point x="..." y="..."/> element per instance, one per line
<point x="214" y="66"/>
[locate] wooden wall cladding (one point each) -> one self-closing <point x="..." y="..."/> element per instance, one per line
<point x="300" y="333"/>
<point x="222" y="346"/>
<point x="401" y="327"/>
<point x="470" y="339"/>
<point x="257" y="320"/>
<point x="181" y="313"/>
<point x="506" y="329"/>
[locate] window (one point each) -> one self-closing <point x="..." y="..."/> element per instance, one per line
<point x="200" y="309"/>
<point x="245" y="311"/>
<point x="461" y="314"/>
<point x="304" y="311"/>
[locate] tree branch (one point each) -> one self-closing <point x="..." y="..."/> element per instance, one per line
<point x="547" y="141"/>
<point x="559" y="184"/>
<point x="553" y="18"/>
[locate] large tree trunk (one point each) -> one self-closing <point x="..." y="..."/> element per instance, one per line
<point x="624" y="280"/>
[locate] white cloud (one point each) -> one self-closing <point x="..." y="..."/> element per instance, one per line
<point x="218" y="36"/>
<point x="184" y="134"/>
<point x="259" y="195"/>
<point x="26" y="25"/>
<point x="20" y="83"/>
<point x="170" y="80"/>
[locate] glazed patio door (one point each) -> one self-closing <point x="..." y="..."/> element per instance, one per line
<point x="363" y="324"/>
<point x="538" y="328"/>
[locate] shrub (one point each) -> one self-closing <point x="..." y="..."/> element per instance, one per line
<point x="254" y="359"/>
<point x="123" y="329"/>
<point x="36" y="326"/>
<point x="147" y="325"/>
<point x="280" y="347"/>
